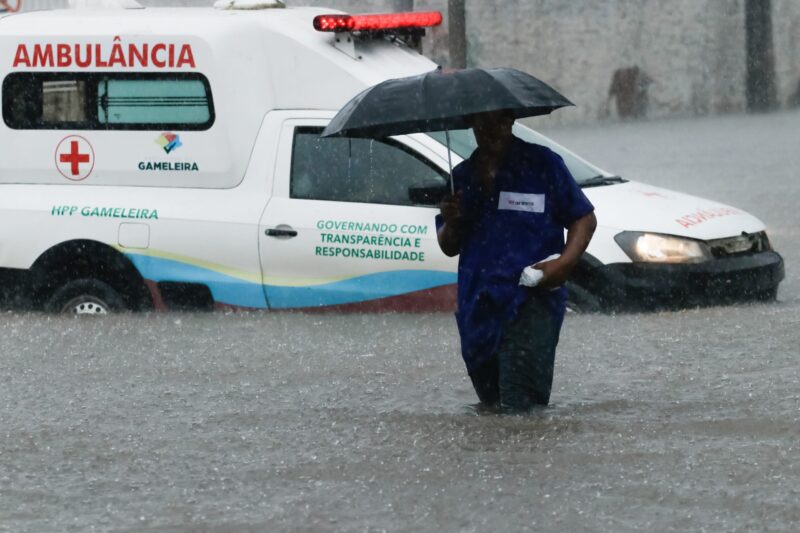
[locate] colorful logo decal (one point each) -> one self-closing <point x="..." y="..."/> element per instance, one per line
<point x="74" y="158"/>
<point x="169" y="141"/>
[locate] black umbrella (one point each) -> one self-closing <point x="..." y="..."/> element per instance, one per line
<point x="442" y="101"/>
<point x="439" y="100"/>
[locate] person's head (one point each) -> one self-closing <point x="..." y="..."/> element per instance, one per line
<point x="493" y="129"/>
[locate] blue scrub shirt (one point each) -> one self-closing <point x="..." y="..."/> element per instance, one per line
<point x="534" y="199"/>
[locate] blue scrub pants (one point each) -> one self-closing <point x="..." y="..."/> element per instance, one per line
<point x="520" y="375"/>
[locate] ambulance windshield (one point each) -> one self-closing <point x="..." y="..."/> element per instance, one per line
<point x="463" y="143"/>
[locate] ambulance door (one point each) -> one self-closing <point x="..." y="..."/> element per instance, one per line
<point x="351" y="224"/>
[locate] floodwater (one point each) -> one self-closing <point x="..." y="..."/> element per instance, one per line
<point x="685" y="420"/>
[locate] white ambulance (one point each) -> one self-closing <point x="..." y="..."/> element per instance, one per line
<point x="171" y="159"/>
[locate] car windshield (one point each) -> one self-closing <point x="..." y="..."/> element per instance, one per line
<point x="463" y="143"/>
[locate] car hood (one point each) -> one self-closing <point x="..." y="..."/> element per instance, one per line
<point x="635" y="206"/>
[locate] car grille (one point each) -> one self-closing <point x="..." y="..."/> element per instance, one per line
<point x="746" y="243"/>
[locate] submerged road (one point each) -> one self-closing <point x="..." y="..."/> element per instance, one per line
<point x="254" y="422"/>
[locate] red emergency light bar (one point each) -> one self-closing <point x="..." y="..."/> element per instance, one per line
<point x="377" y="22"/>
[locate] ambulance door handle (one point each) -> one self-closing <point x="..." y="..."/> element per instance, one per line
<point x="282" y="231"/>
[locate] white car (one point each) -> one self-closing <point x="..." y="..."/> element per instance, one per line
<point x="656" y="248"/>
<point x="170" y="159"/>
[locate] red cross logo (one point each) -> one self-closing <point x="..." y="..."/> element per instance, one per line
<point x="75" y="158"/>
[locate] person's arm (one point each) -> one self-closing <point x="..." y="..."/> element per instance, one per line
<point x="451" y="233"/>
<point x="558" y="271"/>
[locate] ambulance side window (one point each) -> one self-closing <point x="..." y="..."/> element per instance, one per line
<point x="154" y="101"/>
<point x="107" y="101"/>
<point x="356" y="170"/>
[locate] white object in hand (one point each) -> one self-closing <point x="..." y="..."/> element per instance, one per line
<point x="532" y="276"/>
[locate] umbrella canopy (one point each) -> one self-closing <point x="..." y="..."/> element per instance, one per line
<point x="437" y="101"/>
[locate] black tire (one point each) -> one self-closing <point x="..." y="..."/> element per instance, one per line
<point x="85" y="296"/>
<point x="579" y="300"/>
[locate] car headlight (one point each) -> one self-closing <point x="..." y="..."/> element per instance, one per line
<point x="655" y="248"/>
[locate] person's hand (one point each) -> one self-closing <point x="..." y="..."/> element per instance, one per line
<point x="556" y="272"/>
<point x="450" y="235"/>
<point x="450" y="207"/>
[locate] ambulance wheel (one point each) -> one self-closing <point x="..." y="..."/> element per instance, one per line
<point x="579" y="300"/>
<point x="85" y="297"/>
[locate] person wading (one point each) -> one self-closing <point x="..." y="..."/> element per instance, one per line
<point x="511" y="205"/>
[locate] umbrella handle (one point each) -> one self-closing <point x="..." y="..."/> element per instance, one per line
<point x="450" y="161"/>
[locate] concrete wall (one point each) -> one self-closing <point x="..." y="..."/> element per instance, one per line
<point x="786" y="28"/>
<point x="693" y="51"/>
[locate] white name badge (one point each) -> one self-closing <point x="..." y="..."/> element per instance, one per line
<point x="517" y="201"/>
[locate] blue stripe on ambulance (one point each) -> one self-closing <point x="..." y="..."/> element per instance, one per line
<point x="362" y="288"/>
<point x="235" y="291"/>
